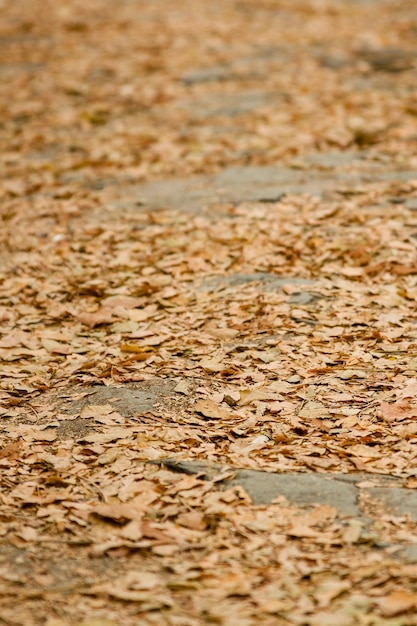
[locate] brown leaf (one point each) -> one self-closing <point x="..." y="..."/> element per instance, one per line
<point x="11" y="451"/>
<point x="102" y="316"/>
<point x="397" y="602"/>
<point x="141" y="352"/>
<point x="123" y="511"/>
<point x="193" y="520"/>
<point x="208" y="408"/>
<point x="133" y="530"/>
<point x="330" y="590"/>
<point x="99" y="410"/>
<point x="55" y="347"/>
<point x="120" y="513"/>
<point x="108" y="457"/>
<point x="398" y="411"/>
<point x="213" y="364"/>
<point x="109" y="435"/>
<point x="301" y="530"/>
<point x="314" y="409"/>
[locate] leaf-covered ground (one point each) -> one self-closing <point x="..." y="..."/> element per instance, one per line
<point x="270" y="333"/>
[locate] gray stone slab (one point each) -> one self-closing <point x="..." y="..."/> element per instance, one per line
<point x="270" y="184"/>
<point x="128" y="400"/>
<point x="268" y="282"/>
<point x="411" y="204"/>
<point x="389" y="59"/>
<point x="304" y="298"/>
<point x="227" y="105"/>
<point x="338" y="490"/>
<point x="301" y="489"/>
<point x="396" y="500"/>
<point x="252" y="66"/>
<point x="409" y="553"/>
<point x="337" y="158"/>
<point x="251" y="184"/>
<point x="214" y="74"/>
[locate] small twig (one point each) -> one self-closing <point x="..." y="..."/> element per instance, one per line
<point x="90" y="484"/>
<point x="300" y="408"/>
<point x="32" y="409"/>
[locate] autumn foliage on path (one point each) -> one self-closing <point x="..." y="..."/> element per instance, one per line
<point x="273" y="333"/>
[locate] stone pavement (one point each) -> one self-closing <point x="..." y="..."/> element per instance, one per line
<point x="286" y="131"/>
<point x="330" y="176"/>
<point x="360" y="498"/>
<point x="327" y="176"/>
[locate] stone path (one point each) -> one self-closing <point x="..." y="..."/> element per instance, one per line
<point x="143" y="129"/>
<point x="327" y="176"/>
<point x="359" y="498"/>
<point x="330" y="176"/>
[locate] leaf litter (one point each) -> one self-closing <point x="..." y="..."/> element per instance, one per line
<point x="289" y="377"/>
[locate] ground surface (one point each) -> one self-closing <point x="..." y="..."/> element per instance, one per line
<point x="208" y="288"/>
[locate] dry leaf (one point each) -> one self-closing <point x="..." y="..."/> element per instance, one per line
<point x="397" y="602"/>
<point x="314" y="410"/>
<point x="155" y="235"/>
<point x="208" y="408"/>
<point x="212" y="364"/>
<point x="109" y="435"/>
<point x="108" y="457"/>
<point x="102" y="316"/>
<point x="94" y="411"/>
<point x="182" y="387"/>
<point x="11" y="451"/>
<point x="330" y="590"/>
<point x="193" y="520"/>
<point x="55" y="347"/>
<point x="398" y="411"/>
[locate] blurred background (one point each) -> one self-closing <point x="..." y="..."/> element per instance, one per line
<point x="103" y="92"/>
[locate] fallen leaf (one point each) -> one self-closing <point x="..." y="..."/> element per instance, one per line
<point x="91" y="411"/>
<point x="352" y="533"/>
<point x="133" y="530"/>
<point x="109" y="435"/>
<point x="208" y="408"/>
<point x="397" y="602"/>
<point x="94" y="621"/>
<point x="349" y="374"/>
<point x="193" y="520"/>
<point x="300" y="530"/>
<point x="398" y="411"/>
<point x="102" y="316"/>
<point x="55" y="347"/>
<point x="367" y="452"/>
<point x="182" y="387"/>
<point x="11" y="451"/>
<point x="108" y="457"/>
<point x="330" y="590"/>
<point x="124" y="511"/>
<point x="144" y="352"/>
<point x="213" y="364"/>
<point x="314" y="409"/>
<point x="27" y="533"/>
